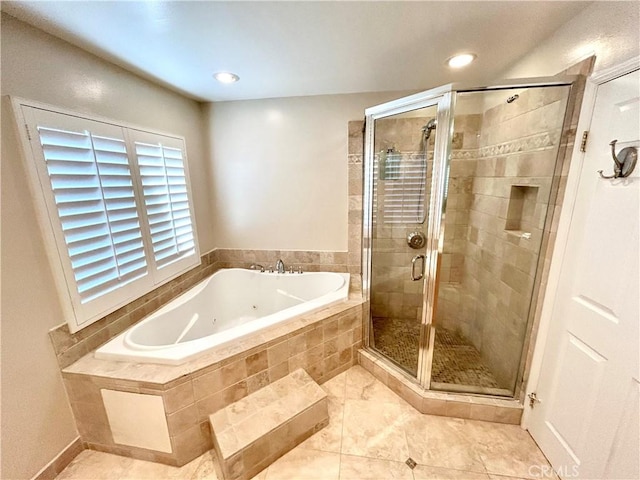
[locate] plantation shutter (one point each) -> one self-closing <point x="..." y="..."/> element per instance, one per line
<point x="166" y="199"/>
<point x="93" y="191"/>
<point x="114" y="206"/>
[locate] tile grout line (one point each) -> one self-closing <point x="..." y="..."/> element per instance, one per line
<point x="406" y="440"/>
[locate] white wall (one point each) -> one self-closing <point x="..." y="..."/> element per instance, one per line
<point x="279" y="175"/>
<point x="279" y="170"/>
<point x="36" y="419"/>
<point x="609" y="30"/>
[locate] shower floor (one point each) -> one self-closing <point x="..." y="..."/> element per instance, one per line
<point x="455" y="360"/>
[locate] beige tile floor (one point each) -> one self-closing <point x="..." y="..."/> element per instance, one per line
<point x="372" y="432"/>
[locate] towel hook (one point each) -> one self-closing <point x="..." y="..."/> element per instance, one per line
<point x="625" y="161"/>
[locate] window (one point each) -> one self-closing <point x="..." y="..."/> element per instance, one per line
<point x="115" y="202"/>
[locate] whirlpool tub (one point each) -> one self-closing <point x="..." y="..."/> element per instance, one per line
<point x="229" y="305"/>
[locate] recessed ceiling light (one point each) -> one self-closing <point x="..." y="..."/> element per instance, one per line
<point x="461" y="60"/>
<point x="226" y="77"/>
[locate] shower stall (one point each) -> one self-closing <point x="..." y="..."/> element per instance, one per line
<point x="459" y="191"/>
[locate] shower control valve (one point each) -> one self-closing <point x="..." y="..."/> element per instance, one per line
<point x="416" y="239"/>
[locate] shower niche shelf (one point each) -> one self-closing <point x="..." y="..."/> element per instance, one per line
<point x="521" y="210"/>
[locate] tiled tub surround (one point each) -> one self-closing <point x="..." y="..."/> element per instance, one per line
<point x="71" y="347"/>
<point x="226" y="307"/>
<point x="323" y="343"/>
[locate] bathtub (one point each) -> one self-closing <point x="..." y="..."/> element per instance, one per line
<point x="230" y="304"/>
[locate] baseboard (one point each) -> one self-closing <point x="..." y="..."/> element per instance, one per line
<point x="55" y="466"/>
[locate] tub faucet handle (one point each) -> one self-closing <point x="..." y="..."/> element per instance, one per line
<point x="300" y="269"/>
<point x="256" y="266"/>
<point x="280" y="266"/>
<point x="291" y="269"/>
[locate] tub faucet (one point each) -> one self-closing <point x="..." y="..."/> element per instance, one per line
<point x="280" y="266"/>
<point x="256" y="266"/>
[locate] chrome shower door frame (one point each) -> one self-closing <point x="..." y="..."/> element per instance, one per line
<point x="442" y="97"/>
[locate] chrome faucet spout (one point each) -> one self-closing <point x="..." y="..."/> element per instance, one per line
<point x="256" y="266"/>
<point x="280" y="266"/>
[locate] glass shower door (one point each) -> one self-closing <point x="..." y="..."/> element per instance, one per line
<point x="459" y="187"/>
<point x="501" y="177"/>
<point x="399" y="188"/>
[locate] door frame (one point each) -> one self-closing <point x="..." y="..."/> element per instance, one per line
<point x="442" y="97"/>
<point x="573" y="180"/>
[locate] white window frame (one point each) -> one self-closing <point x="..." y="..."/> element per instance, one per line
<point x="76" y="314"/>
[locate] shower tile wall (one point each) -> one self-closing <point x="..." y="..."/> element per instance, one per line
<point x="459" y="196"/>
<point x="507" y="204"/>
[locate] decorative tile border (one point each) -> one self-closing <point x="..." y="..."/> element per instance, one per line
<point x="528" y="144"/>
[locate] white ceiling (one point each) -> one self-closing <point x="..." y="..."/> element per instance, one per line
<point x="282" y="49"/>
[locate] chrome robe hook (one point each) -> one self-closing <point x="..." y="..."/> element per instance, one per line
<point x="624" y="162"/>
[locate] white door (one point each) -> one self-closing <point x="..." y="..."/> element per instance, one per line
<point x="587" y="422"/>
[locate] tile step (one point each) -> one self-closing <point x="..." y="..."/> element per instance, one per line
<point x="253" y="432"/>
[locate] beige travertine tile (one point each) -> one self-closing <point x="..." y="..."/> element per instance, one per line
<point x="375" y="429"/>
<point x="361" y="385"/>
<point x="329" y="439"/>
<point x="503" y="477"/>
<point x="256" y="362"/>
<point x="92" y="465"/>
<point x="182" y="419"/>
<point x="278" y="371"/>
<point x="204" y="468"/>
<point x="434" y="406"/>
<point x="278" y="353"/>
<point x="506" y="449"/>
<point x="335" y="387"/>
<point x="258" y="381"/>
<point x="305" y="464"/>
<point x="178" y="397"/>
<point x="215" y="402"/>
<point x="442" y="442"/>
<point x="262" y="475"/>
<point x="363" y="468"/>
<point x="191" y="443"/>
<point x="142" y="470"/>
<point x="424" y="472"/>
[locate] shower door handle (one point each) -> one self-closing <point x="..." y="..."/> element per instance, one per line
<point x="414" y="260"/>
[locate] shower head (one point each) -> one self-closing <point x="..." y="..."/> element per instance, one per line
<point x="431" y="125"/>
